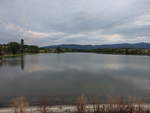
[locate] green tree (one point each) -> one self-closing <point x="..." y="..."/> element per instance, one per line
<point x="14" y="47"/>
<point x="31" y="49"/>
<point x="0" y="50"/>
<point x="59" y="50"/>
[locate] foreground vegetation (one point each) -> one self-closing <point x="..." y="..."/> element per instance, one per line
<point x="81" y="105"/>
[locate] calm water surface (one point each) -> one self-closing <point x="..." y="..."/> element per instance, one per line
<point x="69" y="75"/>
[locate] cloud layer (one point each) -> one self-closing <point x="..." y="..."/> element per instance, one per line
<point x="50" y="22"/>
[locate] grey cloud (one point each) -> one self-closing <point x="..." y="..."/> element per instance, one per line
<point x="73" y="17"/>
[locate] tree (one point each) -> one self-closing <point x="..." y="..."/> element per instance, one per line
<point x="31" y="49"/>
<point x="14" y="47"/>
<point x="0" y="50"/>
<point x="59" y="50"/>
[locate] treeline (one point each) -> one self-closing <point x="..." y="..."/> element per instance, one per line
<point x="16" y="48"/>
<point x="124" y="51"/>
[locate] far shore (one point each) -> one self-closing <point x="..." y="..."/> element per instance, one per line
<point x="18" y="55"/>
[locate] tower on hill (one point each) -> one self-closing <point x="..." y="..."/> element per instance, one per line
<point x="22" y="46"/>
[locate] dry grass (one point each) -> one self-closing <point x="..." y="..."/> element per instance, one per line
<point x="81" y="104"/>
<point x="19" y="105"/>
<point x="114" y="105"/>
<point x="43" y="107"/>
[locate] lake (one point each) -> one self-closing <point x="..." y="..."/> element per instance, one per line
<point x="64" y="77"/>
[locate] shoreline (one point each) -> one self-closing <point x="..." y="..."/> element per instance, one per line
<point x="18" y="55"/>
<point x="72" y="108"/>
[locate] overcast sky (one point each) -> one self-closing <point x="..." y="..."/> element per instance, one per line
<point x="51" y="22"/>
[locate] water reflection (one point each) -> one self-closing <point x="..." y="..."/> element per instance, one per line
<point x="22" y="62"/>
<point x="16" y="61"/>
<point x="70" y="75"/>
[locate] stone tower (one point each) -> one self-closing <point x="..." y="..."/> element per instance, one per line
<point x="22" y="46"/>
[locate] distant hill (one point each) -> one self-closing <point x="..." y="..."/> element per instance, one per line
<point x="86" y="47"/>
